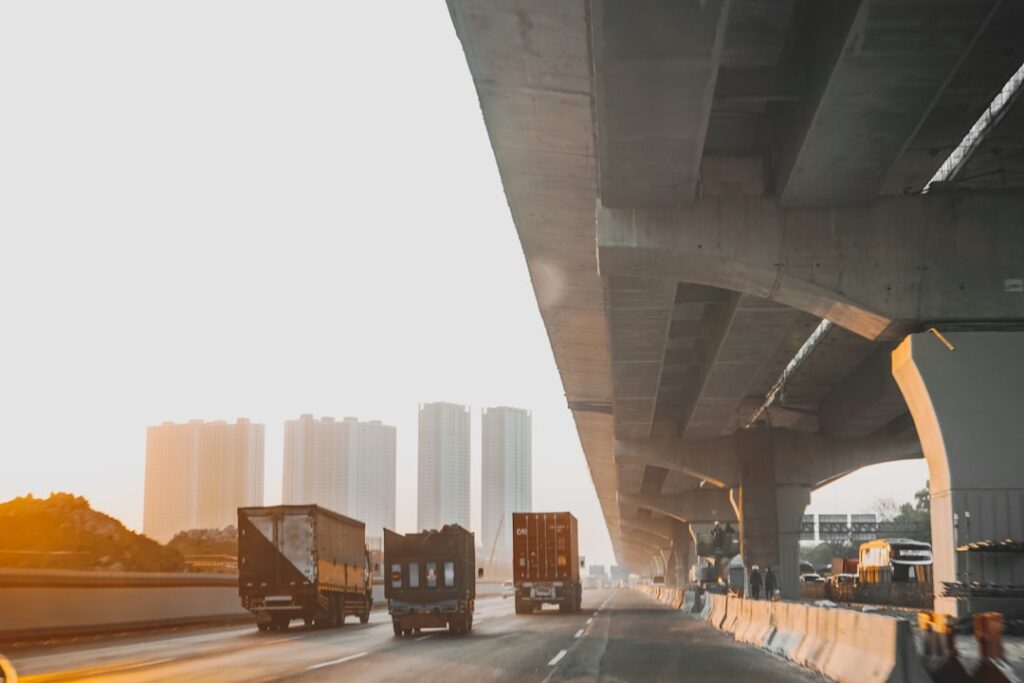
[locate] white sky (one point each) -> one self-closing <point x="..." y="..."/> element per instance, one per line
<point x="217" y="209"/>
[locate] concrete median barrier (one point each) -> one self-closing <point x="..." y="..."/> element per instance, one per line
<point x="719" y="610"/>
<point x="54" y="603"/>
<point x="758" y="628"/>
<point x="689" y="601"/>
<point x="873" y="649"/>
<point x="790" y="621"/>
<point x="846" y="646"/>
<point x="733" y="613"/>
<point x="49" y="603"/>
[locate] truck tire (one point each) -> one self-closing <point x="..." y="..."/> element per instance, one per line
<point x="521" y="608"/>
<point x="398" y="629"/>
<point x="263" y="626"/>
<point x="364" y="617"/>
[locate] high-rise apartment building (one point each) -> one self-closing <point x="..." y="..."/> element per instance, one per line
<point x="199" y="473"/>
<point x="443" y="474"/>
<point x="506" y="483"/>
<point x="347" y="466"/>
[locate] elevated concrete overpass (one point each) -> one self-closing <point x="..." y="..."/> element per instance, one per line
<point x="740" y="223"/>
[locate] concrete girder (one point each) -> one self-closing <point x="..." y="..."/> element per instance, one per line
<point x="639" y="312"/>
<point x="865" y="401"/>
<point x="876" y="69"/>
<point x="532" y="69"/>
<point x="876" y="270"/>
<point x="801" y="459"/>
<point x="657" y="527"/>
<point x="655" y="66"/>
<point x="699" y="505"/>
<point x="994" y="57"/>
<point x="648" y="537"/>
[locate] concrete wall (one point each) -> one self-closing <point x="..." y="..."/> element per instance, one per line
<point x="45" y="603"/>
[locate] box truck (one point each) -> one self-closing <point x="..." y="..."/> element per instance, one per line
<point x="302" y="562"/>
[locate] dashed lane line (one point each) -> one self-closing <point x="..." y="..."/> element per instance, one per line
<point x="557" y="658"/>
<point x="578" y="633"/>
<point x="342" y="660"/>
<point x="424" y="637"/>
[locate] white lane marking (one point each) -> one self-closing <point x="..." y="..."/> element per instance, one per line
<point x="424" y="637"/>
<point x="578" y="633"/>
<point x="139" y="665"/>
<point x="590" y="620"/>
<point x="336" y="661"/>
<point x="557" y="658"/>
<point x="282" y="640"/>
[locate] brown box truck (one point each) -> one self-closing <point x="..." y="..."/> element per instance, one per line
<point x="546" y="561"/>
<point x="302" y="562"/>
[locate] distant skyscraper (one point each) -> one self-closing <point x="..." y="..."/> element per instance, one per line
<point x="198" y="474"/>
<point x="505" y="477"/>
<point x="346" y="466"/>
<point x="443" y="476"/>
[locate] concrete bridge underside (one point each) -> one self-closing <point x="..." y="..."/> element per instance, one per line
<point x="697" y="185"/>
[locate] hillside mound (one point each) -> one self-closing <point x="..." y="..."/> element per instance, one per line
<point x="64" y="532"/>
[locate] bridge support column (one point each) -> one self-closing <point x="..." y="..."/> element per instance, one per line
<point x="966" y="402"/>
<point x="770" y="515"/>
<point x="681" y="542"/>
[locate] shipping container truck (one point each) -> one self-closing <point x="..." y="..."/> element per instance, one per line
<point x="302" y="562"/>
<point x="546" y="561"/>
<point x="430" y="579"/>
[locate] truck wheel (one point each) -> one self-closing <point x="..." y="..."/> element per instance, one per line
<point x="469" y="622"/>
<point x="364" y="617"/>
<point x="263" y="625"/>
<point x="397" y="628"/>
<point x="521" y="608"/>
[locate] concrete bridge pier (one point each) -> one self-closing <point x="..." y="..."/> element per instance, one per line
<point x="681" y="542"/>
<point x="965" y="391"/>
<point x="769" y="514"/>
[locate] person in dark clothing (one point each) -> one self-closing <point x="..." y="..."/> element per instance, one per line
<point x="770" y="584"/>
<point x="755" y="583"/>
<point x="716" y="538"/>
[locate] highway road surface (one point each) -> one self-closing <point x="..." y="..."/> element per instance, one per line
<point x="621" y="635"/>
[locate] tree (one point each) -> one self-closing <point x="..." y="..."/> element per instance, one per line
<point x="885" y="509"/>
<point x="923" y="499"/>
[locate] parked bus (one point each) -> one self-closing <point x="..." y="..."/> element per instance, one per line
<point x="896" y="560"/>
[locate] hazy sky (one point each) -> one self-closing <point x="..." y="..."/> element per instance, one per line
<point x="219" y="209"/>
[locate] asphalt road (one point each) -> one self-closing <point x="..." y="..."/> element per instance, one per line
<point x="620" y="635"/>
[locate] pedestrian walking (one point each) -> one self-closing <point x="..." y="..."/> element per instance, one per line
<point x="755" y="583"/>
<point x="770" y="583"/>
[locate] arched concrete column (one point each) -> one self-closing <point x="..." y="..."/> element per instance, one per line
<point x="968" y="407"/>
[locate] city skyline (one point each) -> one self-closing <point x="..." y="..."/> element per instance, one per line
<point x="346" y="465"/>
<point x="443" y="472"/>
<point x="506" y="477"/>
<point x="199" y="473"/>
